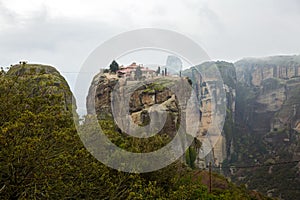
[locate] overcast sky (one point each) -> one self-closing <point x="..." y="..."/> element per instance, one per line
<point x="63" y="33"/>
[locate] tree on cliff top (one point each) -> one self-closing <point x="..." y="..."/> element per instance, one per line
<point x="114" y="66"/>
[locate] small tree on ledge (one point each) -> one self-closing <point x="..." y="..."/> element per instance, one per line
<point x="114" y="66"/>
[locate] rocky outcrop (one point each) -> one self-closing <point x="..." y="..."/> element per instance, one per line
<point x="272" y="99"/>
<point x="143" y="101"/>
<point x="213" y="103"/>
<point x="43" y="80"/>
<point x="266" y="121"/>
<point x="174" y="65"/>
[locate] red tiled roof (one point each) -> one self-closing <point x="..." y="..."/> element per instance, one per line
<point x="132" y="67"/>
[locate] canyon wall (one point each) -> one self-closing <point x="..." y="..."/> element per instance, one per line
<point x="267" y="124"/>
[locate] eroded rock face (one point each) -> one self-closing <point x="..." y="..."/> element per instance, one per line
<point x="210" y="96"/>
<point x="267" y="118"/>
<point x="101" y="88"/>
<point x="141" y="104"/>
<point x="272" y="93"/>
<point x="254" y="71"/>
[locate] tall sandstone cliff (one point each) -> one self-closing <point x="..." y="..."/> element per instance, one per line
<point x="215" y="106"/>
<point x="141" y="101"/>
<point x="267" y="125"/>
